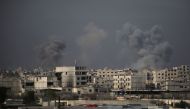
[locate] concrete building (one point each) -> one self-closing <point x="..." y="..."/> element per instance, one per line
<point x="13" y="84"/>
<point x="84" y="90"/>
<point x="40" y="81"/>
<point x="129" y="80"/>
<point x="103" y="78"/>
<point x="175" y="78"/>
<point x="149" y="78"/>
<point x="72" y="77"/>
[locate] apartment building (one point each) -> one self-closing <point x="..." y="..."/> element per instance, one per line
<point x="40" y="81"/>
<point x="13" y="84"/>
<point x="149" y="78"/>
<point x="129" y="80"/>
<point x="175" y="78"/>
<point x="103" y="78"/>
<point x="72" y="76"/>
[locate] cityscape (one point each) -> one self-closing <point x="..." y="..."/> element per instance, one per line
<point x="72" y="85"/>
<point x="94" y="54"/>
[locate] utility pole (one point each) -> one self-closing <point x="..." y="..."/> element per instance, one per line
<point x="59" y="106"/>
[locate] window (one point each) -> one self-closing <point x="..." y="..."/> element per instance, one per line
<point x="78" y="78"/>
<point x="83" y="83"/>
<point x="78" y="92"/>
<point x="90" y="90"/>
<point x="77" y="73"/>
<point x="50" y="83"/>
<point x="83" y="73"/>
<point x="83" y="78"/>
<point x="30" y="84"/>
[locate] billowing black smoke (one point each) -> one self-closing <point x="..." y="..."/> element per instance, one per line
<point x="50" y="53"/>
<point x="151" y="50"/>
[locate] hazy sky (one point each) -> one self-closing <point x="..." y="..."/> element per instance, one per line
<point x="90" y="28"/>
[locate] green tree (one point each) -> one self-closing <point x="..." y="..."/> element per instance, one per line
<point x="3" y="94"/>
<point x="29" y="97"/>
<point x="50" y="95"/>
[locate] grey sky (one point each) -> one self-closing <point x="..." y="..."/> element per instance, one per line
<point x="88" y="29"/>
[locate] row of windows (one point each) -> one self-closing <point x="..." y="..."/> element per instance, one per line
<point x="170" y="77"/>
<point x="127" y="84"/>
<point x="107" y="72"/>
<point x="122" y="86"/>
<point x="82" y="78"/>
<point x="106" y="75"/>
<point x="80" y="68"/>
<point x="166" y="74"/>
<point x="183" y="86"/>
<point x="80" y="73"/>
<point x="81" y="83"/>
<point x="122" y="79"/>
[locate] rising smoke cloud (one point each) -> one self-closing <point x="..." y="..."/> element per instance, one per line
<point x="90" y="43"/>
<point x="51" y="52"/>
<point x="150" y="48"/>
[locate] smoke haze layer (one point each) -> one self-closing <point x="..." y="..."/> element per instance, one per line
<point x="149" y="46"/>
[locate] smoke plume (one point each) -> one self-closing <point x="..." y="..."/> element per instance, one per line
<point x="90" y="43"/>
<point x="149" y="46"/>
<point x="50" y="53"/>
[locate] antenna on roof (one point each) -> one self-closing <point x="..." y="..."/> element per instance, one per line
<point x="75" y="62"/>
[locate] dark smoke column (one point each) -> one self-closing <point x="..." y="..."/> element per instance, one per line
<point x="150" y="48"/>
<point x="50" y="53"/>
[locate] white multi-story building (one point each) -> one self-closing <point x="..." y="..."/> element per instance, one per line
<point x="176" y="78"/>
<point x="41" y="81"/>
<point x="129" y="80"/>
<point x="72" y="76"/>
<point x="103" y="78"/>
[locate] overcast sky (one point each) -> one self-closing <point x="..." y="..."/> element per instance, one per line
<point x="96" y="33"/>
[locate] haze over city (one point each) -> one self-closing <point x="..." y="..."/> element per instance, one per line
<point x="115" y="34"/>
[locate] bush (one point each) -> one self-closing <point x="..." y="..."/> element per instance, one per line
<point x="182" y="104"/>
<point x="29" y="97"/>
<point x="3" y="94"/>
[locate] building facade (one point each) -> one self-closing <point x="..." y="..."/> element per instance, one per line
<point x="129" y="80"/>
<point x="103" y="78"/>
<point x="72" y="77"/>
<point x="175" y="78"/>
